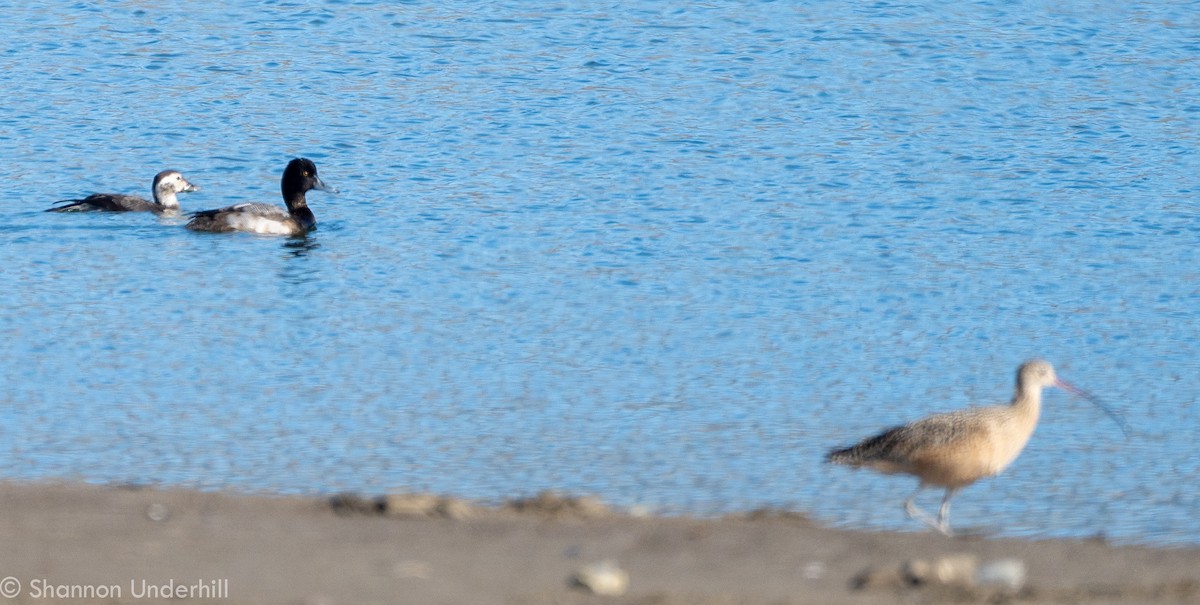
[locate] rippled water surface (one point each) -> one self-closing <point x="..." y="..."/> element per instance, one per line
<point x="667" y="253"/>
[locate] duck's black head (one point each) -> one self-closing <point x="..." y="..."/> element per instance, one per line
<point x="300" y="176"/>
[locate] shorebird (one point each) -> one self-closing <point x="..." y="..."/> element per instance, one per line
<point x="955" y="449"/>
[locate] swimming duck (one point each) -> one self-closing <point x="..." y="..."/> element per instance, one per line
<point x="299" y="177"/>
<point x="166" y="184"/>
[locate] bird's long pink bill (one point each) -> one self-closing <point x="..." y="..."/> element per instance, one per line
<point x="1074" y="390"/>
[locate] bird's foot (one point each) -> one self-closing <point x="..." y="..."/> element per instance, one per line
<point x="938" y="524"/>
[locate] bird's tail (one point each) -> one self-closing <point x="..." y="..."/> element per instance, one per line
<point x="881" y="447"/>
<point x="68" y="206"/>
<point x="847" y="455"/>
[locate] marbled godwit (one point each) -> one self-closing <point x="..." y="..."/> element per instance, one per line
<point x="955" y="449"/>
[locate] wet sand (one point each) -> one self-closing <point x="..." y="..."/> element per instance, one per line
<point x="255" y="549"/>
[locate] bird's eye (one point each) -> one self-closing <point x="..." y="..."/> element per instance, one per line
<point x="305" y="173"/>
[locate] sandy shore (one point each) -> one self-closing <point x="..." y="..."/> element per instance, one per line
<point x="123" y="544"/>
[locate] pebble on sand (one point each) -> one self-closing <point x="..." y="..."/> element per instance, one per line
<point x="950" y="570"/>
<point x="557" y="506"/>
<point x="604" y="578"/>
<point x="1007" y="574"/>
<point x="960" y="571"/>
<point x="402" y="505"/>
<point x="157" y="511"/>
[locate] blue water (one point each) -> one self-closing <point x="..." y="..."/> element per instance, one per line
<point x="666" y="253"/>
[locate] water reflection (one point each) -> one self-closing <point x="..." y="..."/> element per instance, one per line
<point x="301" y="246"/>
<point x="296" y="251"/>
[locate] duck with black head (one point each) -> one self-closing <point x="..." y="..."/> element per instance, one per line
<point x="166" y="184"/>
<point x="299" y="177"/>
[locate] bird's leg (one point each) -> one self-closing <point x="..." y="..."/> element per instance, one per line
<point x="910" y="506"/>
<point x="943" y="520"/>
<point x="939" y="523"/>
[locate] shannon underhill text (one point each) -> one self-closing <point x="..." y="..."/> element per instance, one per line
<point x="138" y="589"/>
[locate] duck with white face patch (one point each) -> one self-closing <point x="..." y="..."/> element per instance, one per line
<point x="299" y="177"/>
<point x="166" y="184"/>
